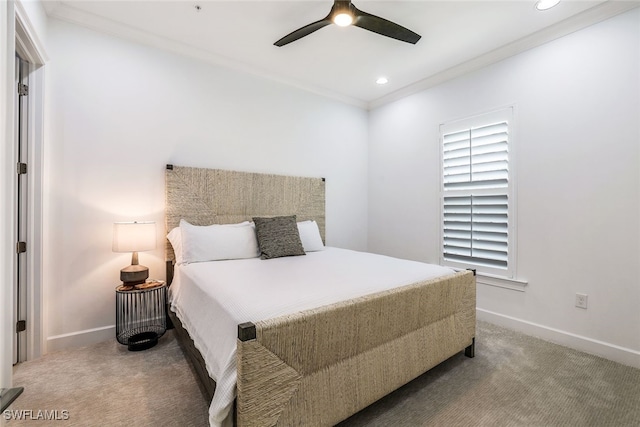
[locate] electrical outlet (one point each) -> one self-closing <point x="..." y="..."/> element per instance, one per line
<point x="581" y="300"/>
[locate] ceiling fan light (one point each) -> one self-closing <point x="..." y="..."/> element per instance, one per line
<point x="343" y="19"/>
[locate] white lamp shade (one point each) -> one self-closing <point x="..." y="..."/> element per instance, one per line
<point x="134" y="236"/>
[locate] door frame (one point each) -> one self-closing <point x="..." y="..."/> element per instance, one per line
<point x="30" y="48"/>
<point x="7" y="190"/>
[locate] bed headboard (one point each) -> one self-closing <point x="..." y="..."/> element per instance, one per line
<point x="214" y="196"/>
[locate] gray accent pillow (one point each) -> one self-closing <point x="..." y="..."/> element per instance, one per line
<point x="278" y="237"/>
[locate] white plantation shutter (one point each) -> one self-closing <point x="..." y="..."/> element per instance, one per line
<point x="476" y="230"/>
<point x="475" y="202"/>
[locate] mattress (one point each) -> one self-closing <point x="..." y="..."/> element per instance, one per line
<point x="212" y="298"/>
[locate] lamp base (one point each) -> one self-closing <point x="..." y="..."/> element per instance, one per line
<point x="134" y="275"/>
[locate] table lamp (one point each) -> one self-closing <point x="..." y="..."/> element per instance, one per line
<point x="134" y="237"/>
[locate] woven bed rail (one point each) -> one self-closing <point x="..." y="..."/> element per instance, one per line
<point x="320" y="366"/>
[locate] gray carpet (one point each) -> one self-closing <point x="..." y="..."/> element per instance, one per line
<point x="107" y="385"/>
<point x="514" y="380"/>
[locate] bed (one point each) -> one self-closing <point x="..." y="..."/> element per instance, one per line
<point x="328" y="358"/>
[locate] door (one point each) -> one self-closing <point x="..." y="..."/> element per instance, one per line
<point x="20" y="291"/>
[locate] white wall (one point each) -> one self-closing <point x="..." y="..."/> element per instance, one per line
<point x="577" y="159"/>
<point x="119" y="111"/>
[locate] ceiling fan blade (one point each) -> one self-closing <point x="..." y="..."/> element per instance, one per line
<point x="382" y="26"/>
<point x="304" y="31"/>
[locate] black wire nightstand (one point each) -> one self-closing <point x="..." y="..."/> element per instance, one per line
<point x="141" y="316"/>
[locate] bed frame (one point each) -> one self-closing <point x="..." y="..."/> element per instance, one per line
<point x="319" y="366"/>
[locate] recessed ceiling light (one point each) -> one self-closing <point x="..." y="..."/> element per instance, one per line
<point x="382" y="80"/>
<point x="546" y="4"/>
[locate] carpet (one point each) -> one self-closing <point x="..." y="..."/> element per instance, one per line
<point x="514" y="380"/>
<point x="107" y="385"/>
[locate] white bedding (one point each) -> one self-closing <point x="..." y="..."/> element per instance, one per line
<point x="212" y="298"/>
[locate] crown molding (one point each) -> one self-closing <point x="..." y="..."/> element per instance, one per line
<point x="570" y="25"/>
<point x="608" y="9"/>
<point x="59" y="10"/>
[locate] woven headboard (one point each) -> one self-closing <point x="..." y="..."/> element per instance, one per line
<point x="214" y="196"/>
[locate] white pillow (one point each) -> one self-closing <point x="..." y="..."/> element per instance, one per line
<point x="310" y="236"/>
<point x="218" y="242"/>
<point x="175" y="238"/>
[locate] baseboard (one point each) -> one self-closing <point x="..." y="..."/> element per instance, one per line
<point x="80" y="338"/>
<point x="623" y="355"/>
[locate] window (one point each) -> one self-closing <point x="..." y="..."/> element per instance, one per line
<point x="477" y="229"/>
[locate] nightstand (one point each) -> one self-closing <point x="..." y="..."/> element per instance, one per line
<point x="141" y="316"/>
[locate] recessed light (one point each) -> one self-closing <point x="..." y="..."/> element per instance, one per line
<point x="546" y="4"/>
<point x="382" y="80"/>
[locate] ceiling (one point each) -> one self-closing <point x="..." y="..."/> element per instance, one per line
<point x="343" y="63"/>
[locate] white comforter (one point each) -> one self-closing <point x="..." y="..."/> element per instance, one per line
<point x="212" y="298"/>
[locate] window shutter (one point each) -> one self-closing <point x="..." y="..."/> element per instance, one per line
<point x="476" y="201"/>
<point x="477" y="158"/>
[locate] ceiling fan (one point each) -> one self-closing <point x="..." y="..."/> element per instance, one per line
<point x="343" y="14"/>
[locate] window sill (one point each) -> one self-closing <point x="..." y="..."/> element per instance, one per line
<point x="502" y="282"/>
